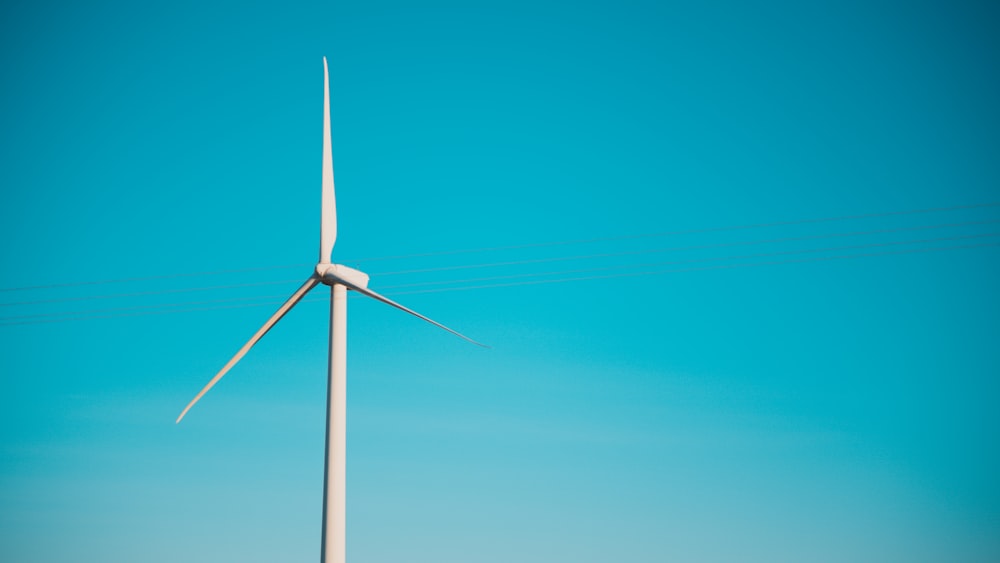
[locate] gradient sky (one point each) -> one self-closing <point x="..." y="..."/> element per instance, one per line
<point x="829" y="395"/>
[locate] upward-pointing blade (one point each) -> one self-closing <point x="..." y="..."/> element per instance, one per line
<point x="295" y="298"/>
<point x="328" y="216"/>
<point x="387" y="301"/>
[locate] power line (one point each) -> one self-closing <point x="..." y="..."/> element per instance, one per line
<point x="560" y="280"/>
<point x="509" y="263"/>
<point x="140" y="307"/>
<point x="419" y="284"/>
<point x="699" y="260"/>
<point x="525" y="246"/>
<point x="684" y="248"/>
<point x="697" y="231"/>
<point x="152" y="278"/>
<point x="701" y="269"/>
<point x="145" y="293"/>
<point x="271" y="300"/>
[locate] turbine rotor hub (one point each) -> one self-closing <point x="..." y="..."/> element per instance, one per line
<point x="332" y="274"/>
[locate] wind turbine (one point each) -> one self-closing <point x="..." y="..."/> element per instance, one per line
<point x="340" y="278"/>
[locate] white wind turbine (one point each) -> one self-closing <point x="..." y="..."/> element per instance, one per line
<point x="340" y="278"/>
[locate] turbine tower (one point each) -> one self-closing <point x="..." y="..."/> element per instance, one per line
<point x="340" y="278"/>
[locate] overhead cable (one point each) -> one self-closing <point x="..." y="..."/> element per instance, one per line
<point x="527" y="246"/>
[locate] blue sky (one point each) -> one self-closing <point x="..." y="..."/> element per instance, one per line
<point x="673" y="389"/>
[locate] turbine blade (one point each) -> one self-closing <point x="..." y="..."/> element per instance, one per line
<point x="328" y="216"/>
<point x="387" y="301"/>
<point x="295" y="298"/>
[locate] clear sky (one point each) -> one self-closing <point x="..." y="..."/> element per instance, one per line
<point x="790" y="391"/>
